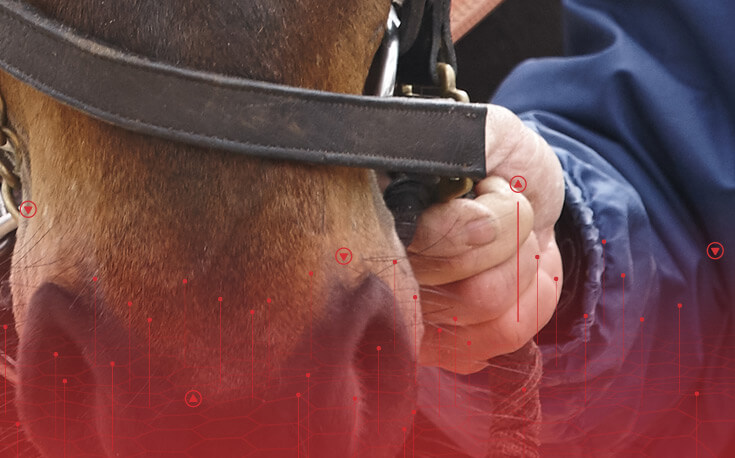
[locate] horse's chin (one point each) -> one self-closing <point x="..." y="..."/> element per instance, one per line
<point x="347" y="389"/>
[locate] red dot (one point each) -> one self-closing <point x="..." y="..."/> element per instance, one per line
<point x="523" y="389"/>
<point x="439" y="330"/>
<point x="130" y="304"/>
<point x="63" y="381"/>
<point x="395" y="261"/>
<point x="56" y="354"/>
<point x="354" y="398"/>
<point x="298" y="395"/>
<point x="252" y="312"/>
<point x="415" y="297"/>
<point x="454" y="318"/>
<point x="5" y="326"/>
<point x="219" y="298"/>
<point x="678" y="305"/>
<point x="604" y="241"/>
<point x="268" y="300"/>
<point x="308" y="374"/>
<point x="556" y="278"/>
<point x="184" y="281"/>
<point x="311" y="273"/>
<point x="17" y="423"/>
<point x="94" y="278"/>
<point x="696" y="393"/>
<point x="622" y="275"/>
<point x="112" y="363"/>
<point x="585" y="315"/>
<point x="469" y="342"/>
<point x="150" y="319"/>
<point x="378" y="348"/>
<point x="403" y="429"/>
<point x="413" y="412"/>
<point x="536" y="256"/>
<point x="641" y="319"/>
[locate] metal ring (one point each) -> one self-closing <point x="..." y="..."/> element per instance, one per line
<point x="9" y="202"/>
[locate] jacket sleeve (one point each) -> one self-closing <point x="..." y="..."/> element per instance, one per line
<point x="640" y="115"/>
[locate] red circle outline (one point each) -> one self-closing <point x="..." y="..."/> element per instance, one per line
<point x="186" y="398"/>
<point x="336" y="256"/>
<point x="525" y="184"/>
<point x="722" y="253"/>
<point x="35" y="209"/>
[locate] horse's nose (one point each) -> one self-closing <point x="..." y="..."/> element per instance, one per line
<point x="346" y="389"/>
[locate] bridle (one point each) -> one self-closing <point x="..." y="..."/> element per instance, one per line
<point x="432" y="147"/>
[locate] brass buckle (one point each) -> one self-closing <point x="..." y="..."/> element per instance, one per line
<point x="447" y="188"/>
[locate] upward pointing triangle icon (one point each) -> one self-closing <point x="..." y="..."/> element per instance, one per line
<point x="193" y="399"/>
<point x="518" y="184"/>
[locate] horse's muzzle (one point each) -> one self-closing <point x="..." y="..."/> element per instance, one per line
<point x="348" y="388"/>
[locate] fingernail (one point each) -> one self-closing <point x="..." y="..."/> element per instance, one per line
<point x="479" y="232"/>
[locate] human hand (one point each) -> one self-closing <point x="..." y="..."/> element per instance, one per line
<point x="475" y="259"/>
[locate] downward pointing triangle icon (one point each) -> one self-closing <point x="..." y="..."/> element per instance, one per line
<point x="28" y="209"/>
<point x="715" y="250"/>
<point x="343" y="256"/>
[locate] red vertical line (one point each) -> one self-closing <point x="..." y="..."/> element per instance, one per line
<point x="404" y="441"/>
<point x="642" y="371"/>
<point x="94" y="279"/>
<point x="56" y="416"/>
<point x="455" y="361"/>
<point x="298" y="424"/>
<point x="63" y="384"/>
<point x="439" y="377"/>
<point x="186" y="319"/>
<point x="308" y="400"/>
<point x="678" y="306"/>
<point x="556" y="322"/>
<point x="537" y="268"/>
<point x="604" y="242"/>
<point x="622" y="353"/>
<point x="252" y="354"/>
<point x="354" y="414"/>
<point x="518" y="261"/>
<point x="696" y="423"/>
<point x="130" y="350"/>
<point x="5" y="366"/>
<point x="17" y="439"/>
<point x="219" y="300"/>
<point x="149" y="360"/>
<point x="585" y="358"/>
<point x="413" y="434"/>
<point x="112" y="405"/>
<point x="378" y="348"/>
<point x="268" y="338"/>
<point x="416" y="336"/>
<point x="395" y="308"/>
<point x="311" y="315"/>
<point x="469" y="358"/>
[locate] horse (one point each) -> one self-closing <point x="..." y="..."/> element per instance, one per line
<point x="171" y="298"/>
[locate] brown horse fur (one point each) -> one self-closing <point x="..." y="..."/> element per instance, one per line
<point x="142" y="214"/>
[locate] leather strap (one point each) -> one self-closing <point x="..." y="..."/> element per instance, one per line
<point x="240" y="115"/>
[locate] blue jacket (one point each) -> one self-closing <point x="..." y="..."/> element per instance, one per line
<point x="641" y="113"/>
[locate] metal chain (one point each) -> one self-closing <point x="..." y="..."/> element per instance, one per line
<point x="9" y="146"/>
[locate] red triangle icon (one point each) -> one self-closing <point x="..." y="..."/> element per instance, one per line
<point x="715" y="250"/>
<point x="518" y="184"/>
<point x="28" y="209"/>
<point x="343" y="256"/>
<point x="193" y="400"/>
